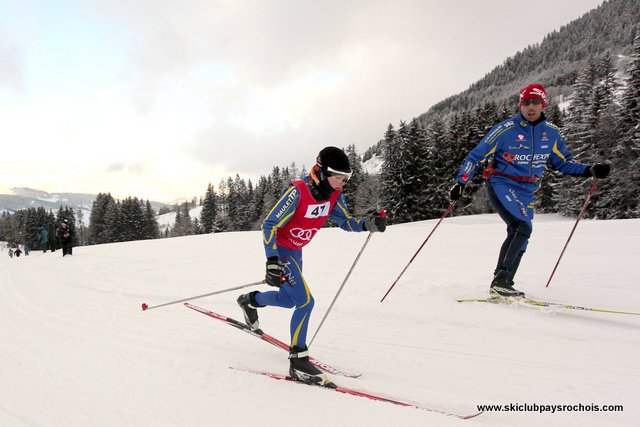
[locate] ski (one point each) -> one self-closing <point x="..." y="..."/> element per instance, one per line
<point x="536" y="303"/>
<point x="353" y="392"/>
<point x="271" y="340"/>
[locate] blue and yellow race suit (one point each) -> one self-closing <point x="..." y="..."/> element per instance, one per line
<point x="518" y="152"/>
<point x="290" y="225"/>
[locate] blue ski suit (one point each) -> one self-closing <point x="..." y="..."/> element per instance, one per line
<point x="518" y="152"/>
<point x="295" y="291"/>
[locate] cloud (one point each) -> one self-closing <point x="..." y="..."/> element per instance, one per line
<point x="138" y="168"/>
<point x="168" y="96"/>
<point x="11" y="65"/>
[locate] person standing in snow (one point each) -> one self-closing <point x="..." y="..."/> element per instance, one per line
<point x="518" y="151"/>
<point x="43" y="239"/>
<point x="300" y="212"/>
<point x="53" y="237"/>
<point x="66" y="236"/>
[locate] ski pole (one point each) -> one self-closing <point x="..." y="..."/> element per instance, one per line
<point x="383" y="213"/>
<point x="146" y="307"/>
<point x="420" y="248"/>
<point x="584" y="208"/>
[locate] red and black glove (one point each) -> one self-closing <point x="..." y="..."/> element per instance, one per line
<point x="377" y="222"/>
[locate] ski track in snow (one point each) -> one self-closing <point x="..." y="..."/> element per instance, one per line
<point x="77" y="350"/>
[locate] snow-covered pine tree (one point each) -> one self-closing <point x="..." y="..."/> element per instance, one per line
<point x="132" y="220"/>
<point x="440" y="169"/>
<point x="623" y="196"/>
<point x="367" y="195"/>
<point x="208" y="213"/>
<point x="388" y="178"/>
<point x="258" y="205"/>
<point x="591" y="132"/>
<point x="400" y="178"/>
<point x="416" y="169"/>
<point x="98" y="219"/>
<point x="351" y="188"/>
<point x="151" y="230"/>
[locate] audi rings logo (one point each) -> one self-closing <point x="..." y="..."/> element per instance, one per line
<point x="303" y="234"/>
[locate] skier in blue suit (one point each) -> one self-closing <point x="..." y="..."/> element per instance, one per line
<point x="518" y="150"/>
<point x="297" y="216"/>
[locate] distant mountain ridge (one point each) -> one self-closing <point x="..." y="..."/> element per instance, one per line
<point x="23" y="198"/>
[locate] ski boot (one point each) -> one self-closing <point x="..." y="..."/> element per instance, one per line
<point x="301" y="369"/>
<point x="248" y="304"/>
<point x="502" y="285"/>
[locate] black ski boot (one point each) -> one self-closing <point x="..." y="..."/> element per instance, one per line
<point x="248" y="304"/>
<point x="502" y="285"/>
<point x="303" y="370"/>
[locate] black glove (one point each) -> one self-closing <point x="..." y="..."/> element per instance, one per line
<point x="375" y="223"/>
<point x="275" y="272"/>
<point x="600" y="171"/>
<point x="456" y="191"/>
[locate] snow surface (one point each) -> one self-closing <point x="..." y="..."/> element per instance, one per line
<point x="77" y="350"/>
<point x="167" y="220"/>
<point x="373" y="166"/>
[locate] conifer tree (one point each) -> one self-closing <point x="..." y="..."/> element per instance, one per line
<point x="417" y="166"/>
<point x="624" y="191"/>
<point x="351" y="188"/>
<point x="259" y="206"/>
<point x="388" y="179"/>
<point x="591" y="133"/>
<point x="208" y="213"/>
<point x="150" y="223"/>
<point x="98" y="232"/>
<point x="440" y="169"/>
<point x="367" y="196"/>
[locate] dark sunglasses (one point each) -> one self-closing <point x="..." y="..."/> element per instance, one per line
<point x="536" y="101"/>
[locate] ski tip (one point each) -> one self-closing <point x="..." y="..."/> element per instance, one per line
<point x="144" y="306"/>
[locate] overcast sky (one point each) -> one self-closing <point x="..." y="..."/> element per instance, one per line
<point x="156" y="99"/>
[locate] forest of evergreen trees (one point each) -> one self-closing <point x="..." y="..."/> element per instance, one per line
<point x="113" y="220"/>
<point x="601" y="124"/>
<point x="240" y="205"/>
<point x="22" y="226"/>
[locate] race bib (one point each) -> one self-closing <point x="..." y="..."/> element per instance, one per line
<point x="317" y="211"/>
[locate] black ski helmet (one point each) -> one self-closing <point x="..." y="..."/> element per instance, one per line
<point x="333" y="158"/>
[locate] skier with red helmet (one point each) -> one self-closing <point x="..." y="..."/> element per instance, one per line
<point x="298" y="215"/>
<point x="518" y="151"/>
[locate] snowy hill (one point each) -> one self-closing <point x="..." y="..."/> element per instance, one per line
<point x="77" y="350"/>
<point x="167" y="220"/>
<point x="373" y="165"/>
<point x="23" y="198"/>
